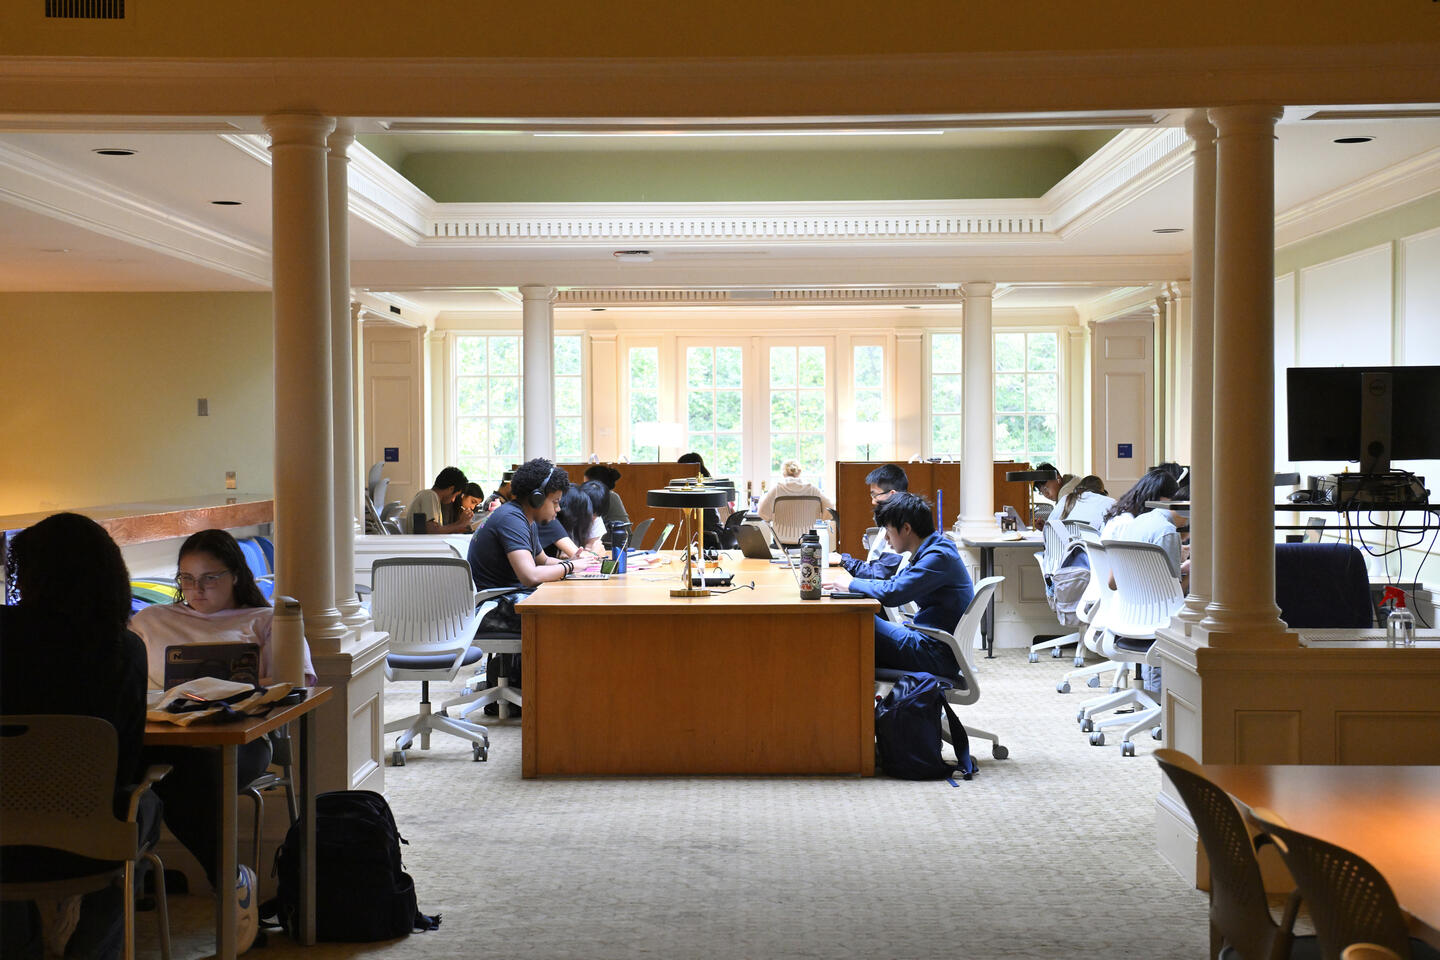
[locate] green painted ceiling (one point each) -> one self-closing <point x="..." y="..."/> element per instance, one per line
<point x="480" y="169"/>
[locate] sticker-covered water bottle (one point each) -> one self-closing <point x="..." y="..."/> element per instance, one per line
<point x="810" y="567"/>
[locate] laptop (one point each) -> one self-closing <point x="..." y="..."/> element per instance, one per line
<point x="239" y="662"/>
<point x="1013" y="514"/>
<point x="589" y="575"/>
<point x="753" y="543"/>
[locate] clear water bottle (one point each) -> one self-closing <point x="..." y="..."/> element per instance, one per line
<point x="810" y="567"/>
<point x="1400" y="626"/>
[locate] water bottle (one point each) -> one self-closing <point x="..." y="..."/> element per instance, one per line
<point x="620" y="541"/>
<point x="1400" y="626"/>
<point x="810" y="567"/>
<point x="822" y="531"/>
<point x="287" y="642"/>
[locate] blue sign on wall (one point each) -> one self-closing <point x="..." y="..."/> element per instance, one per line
<point x="392" y="454"/>
<point x="1124" y="451"/>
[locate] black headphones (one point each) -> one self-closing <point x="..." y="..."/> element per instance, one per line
<point x="536" y="499"/>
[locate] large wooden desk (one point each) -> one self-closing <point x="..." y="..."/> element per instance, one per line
<point x="621" y="678"/>
<point x="1389" y="815"/>
<point x="227" y="737"/>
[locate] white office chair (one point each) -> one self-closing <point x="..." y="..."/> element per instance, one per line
<point x="1147" y="596"/>
<point x="476" y="695"/>
<point x="961" y="644"/>
<point x="57" y="791"/>
<point x="795" y="517"/>
<point x="1091" y="612"/>
<point x="1079" y="530"/>
<point x="1052" y="561"/>
<point x="427" y="605"/>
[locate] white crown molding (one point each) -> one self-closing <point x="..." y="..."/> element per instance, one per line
<point x="845" y="296"/>
<point x="36" y="184"/>
<point x="1395" y="185"/>
<point x="1130" y="165"/>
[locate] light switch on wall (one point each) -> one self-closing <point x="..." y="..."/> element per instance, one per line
<point x="229" y="479"/>
<point x="202" y="407"/>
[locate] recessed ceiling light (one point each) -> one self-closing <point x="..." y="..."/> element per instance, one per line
<point x="226" y="203"/>
<point x="1168" y="230"/>
<point x="633" y="256"/>
<point x="54" y="249"/>
<point x="597" y="309"/>
<point x="1353" y="139"/>
<point x="114" y="151"/>
<point x="912" y="306"/>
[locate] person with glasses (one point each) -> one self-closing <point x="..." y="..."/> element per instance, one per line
<point x="216" y="601"/>
<point x="882" y="561"/>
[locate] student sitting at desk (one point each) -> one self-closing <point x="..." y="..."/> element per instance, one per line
<point x="64" y="648"/>
<point x="612" y="510"/>
<point x="217" y="601"/>
<point x="576" y="531"/>
<point x="506" y="551"/>
<point x="791" y="484"/>
<point x="1129" y="519"/>
<point x="935" y="579"/>
<point x="882" y="560"/>
<point x="448" y="487"/>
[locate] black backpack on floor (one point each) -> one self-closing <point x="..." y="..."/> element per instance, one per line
<point x="907" y="730"/>
<point x="361" y="892"/>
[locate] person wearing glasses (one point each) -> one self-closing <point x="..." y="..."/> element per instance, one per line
<point x="882" y="561"/>
<point x="216" y="601"/>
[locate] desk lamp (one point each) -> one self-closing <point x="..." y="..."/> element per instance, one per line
<point x="1031" y="477"/>
<point x="692" y="499"/>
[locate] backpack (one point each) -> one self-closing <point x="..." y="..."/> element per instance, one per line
<point x="907" y="730"/>
<point x="361" y="892"/>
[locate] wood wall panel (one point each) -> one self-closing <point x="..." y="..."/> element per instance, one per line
<point x="852" y="495"/>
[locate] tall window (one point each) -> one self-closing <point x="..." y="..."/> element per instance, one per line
<point x="869" y="394"/>
<point x="644" y="397"/>
<point x="797" y="408"/>
<point x="489" y="427"/>
<point x="1027" y="389"/>
<point x="487" y="406"/>
<point x="946" y="400"/>
<point x="713" y="404"/>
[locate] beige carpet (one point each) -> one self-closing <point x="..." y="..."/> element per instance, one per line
<point x="1047" y="854"/>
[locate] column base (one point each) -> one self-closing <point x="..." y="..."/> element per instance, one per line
<point x="351" y="725"/>
<point x="352" y="614"/>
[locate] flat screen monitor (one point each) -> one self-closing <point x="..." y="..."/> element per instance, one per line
<point x="1324" y="412"/>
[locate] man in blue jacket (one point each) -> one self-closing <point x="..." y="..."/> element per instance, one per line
<point x="935" y="579"/>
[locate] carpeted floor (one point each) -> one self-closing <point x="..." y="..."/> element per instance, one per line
<point x="1047" y="854"/>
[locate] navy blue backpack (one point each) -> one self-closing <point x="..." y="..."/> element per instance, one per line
<point x="907" y="730"/>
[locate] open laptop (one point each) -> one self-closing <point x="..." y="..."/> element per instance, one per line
<point x="239" y="662"/>
<point x="1013" y="514"/>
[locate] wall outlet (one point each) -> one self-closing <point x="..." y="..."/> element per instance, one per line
<point x="229" y="479"/>
<point x="202" y="407"/>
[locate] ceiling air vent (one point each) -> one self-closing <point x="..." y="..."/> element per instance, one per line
<point x="85" y="9"/>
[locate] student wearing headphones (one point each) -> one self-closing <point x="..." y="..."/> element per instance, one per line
<point x="506" y="552"/>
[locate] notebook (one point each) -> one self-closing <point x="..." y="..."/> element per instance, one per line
<point x="239" y="662"/>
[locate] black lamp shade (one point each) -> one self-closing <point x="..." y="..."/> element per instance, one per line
<point x="689" y="498"/>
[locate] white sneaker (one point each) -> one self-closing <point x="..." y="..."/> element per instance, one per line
<point x="247" y="908"/>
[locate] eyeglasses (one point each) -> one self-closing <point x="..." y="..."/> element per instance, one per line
<point x="880" y="497"/>
<point x="206" y="580"/>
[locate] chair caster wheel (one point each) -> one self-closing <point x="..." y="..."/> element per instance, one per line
<point x="1087" y="725"/>
<point x="479" y="751"/>
<point x="1034" y="657"/>
<point x="1097" y="739"/>
<point x="1127" y="748"/>
<point x="1056" y="653"/>
<point x="397" y="759"/>
<point x="1063" y="686"/>
<point x="999" y="752"/>
<point x="1156" y="733"/>
<point x="1094" y="682"/>
<point x="1080" y="715"/>
<point x="1079" y="661"/>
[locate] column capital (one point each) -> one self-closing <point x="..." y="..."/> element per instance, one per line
<point x="1245" y="118"/>
<point x="977" y="289"/>
<point x="340" y="139"/>
<point x="530" y="291"/>
<point x="356" y="309"/>
<point x="905" y="335"/>
<point x="298" y="129"/>
<point x="1199" y="129"/>
<point x="1179" y="289"/>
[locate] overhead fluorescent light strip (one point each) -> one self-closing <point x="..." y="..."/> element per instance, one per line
<point x="745" y="133"/>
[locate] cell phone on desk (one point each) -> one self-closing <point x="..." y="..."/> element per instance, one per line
<point x="847" y="595"/>
<point x="295" y="696"/>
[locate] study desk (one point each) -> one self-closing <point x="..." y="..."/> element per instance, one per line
<point x="227" y="738"/>
<point x="623" y="679"/>
<point x="1389" y="815"/>
<point x="987" y="548"/>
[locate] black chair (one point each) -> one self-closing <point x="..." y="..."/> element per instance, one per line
<point x="1322" y="585"/>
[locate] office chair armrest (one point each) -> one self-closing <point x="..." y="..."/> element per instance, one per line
<point x="361" y="590"/>
<point x="153" y="774"/>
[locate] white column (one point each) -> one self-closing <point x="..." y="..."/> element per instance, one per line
<point x="346" y="490"/>
<point x="304" y="446"/>
<point x="1202" y="366"/>
<point x="538" y="386"/>
<point x="1159" y="316"/>
<point x="1242" y="609"/>
<point x="977" y="458"/>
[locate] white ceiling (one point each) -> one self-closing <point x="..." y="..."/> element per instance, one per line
<point x="176" y="175"/>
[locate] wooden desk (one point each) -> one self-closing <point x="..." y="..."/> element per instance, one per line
<point x="165" y="519"/>
<point x="1389" y="815"/>
<point x="227" y="737"/>
<point x="621" y="678"/>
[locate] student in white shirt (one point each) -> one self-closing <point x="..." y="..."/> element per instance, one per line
<point x="791" y="484"/>
<point x="1086" y="502"/>
<point x="448" y="487"/>
<point x="1129" y="519"/>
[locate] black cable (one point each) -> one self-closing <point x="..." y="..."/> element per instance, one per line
<point x="738" y="586"/>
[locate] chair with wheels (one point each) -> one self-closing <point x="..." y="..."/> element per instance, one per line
<point x="476" y="695"/>
<point x="1240" y="922"/>
<point x="390" y="517"/>
<point x="1350" y="901"/>
<point x="1067" y="579"/>
<point x="57" y="792"/>
<point x="795" y="516"/>
<point x="637" y="536"/>
<point x="961" y="643"/>
<point x="1091" y="611"/>
<point x="427" y="605"/>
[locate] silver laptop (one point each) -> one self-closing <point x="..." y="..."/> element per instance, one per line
<point x="1013" y="514"/>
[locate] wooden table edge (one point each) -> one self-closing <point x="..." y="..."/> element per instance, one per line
<point x="236" y="732"/>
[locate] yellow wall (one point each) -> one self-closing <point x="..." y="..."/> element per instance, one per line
<point x="99" y="398"/>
